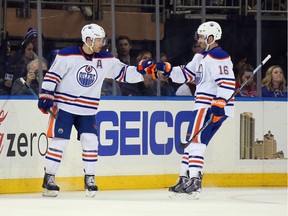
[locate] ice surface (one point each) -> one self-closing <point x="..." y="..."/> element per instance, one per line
<point x="212" y="202"/>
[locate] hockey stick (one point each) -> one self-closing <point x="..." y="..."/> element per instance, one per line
<point x="185" y="144"/>
<point x="36" y="96"/>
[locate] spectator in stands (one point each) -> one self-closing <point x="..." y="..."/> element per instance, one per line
<point x="166" y="85"/>
<point x="274" y="83"/>
<point x="32" y="36"/>
<point x="107" y="88"/>
<point x="28" y="53"/>
<point x="6" y="79"/>
<point x="186" y="89"/>
<point x="31" y="79"/>
<point x="123" y="46"/>
<point x="17" y="67"/>
<point x="147" y="88"/>
<point x="144" y="88"/>
<point x="250" y="89"/>
<point x="240" y="63"/>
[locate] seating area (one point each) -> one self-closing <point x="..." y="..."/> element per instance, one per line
<point x="24" y="12"/>
<point x="137" y="18"/>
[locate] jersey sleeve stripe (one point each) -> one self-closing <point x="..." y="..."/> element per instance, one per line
<point x="229" y="88"/>
<point x="122" y="75"/>
<point x="52" y="77"/>
<point x="205" y="94"/>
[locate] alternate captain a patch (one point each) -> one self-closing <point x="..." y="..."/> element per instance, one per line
<point x="87" y="76"/>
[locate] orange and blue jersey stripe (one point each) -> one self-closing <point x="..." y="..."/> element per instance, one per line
<point x="52" y="78"/>
<point x="79" y="101"/>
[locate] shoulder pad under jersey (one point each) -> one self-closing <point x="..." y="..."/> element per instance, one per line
<point x="72" y="50"/>
<point x="218" y="53"/>
<point x="103" y="54"/>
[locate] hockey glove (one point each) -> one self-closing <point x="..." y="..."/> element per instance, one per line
<point x="217" y="108"/>
<point x="164" y="67"/>
<point x="147" y="67"/>
<point x="45" y="101"/>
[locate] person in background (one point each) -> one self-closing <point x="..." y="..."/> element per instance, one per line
<point x="186" y="89"/>
<point x="31" y="79"/>
<point x="143" y="88"/>
<point x="167" y="86"/>
<point x="250" y="89"/>
<point x="6" y="78"/>
<point x="31" y="36"/>
<point x="107" y="88"/>
<point x="17" y="66"/>
<point x="147" y="87"/>
<point x="274" y="83"/>
<point x="124" y="46"/>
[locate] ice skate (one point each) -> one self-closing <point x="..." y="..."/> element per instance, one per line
<point x="90" y="185"/>
<point x="178" y="187"/>
<point x="193" y="187"/>
<point x="50" y="189"/>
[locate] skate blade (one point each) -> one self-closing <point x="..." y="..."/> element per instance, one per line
<point x="90" y="193"/>
<point x="49" y="193"/>
<point x="177" y="196"/>
<point x="193" y="196"/>
<point x="184" y="196"/>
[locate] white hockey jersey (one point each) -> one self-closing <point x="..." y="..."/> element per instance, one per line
<point x="77" y="78"/>
<point x="214" y="77"/>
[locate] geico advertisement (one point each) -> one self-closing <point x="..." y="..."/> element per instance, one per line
<point x="141" y="132"/>
<point x="154" y="132"/>
<point x="141" y="128"/>
<point x="140" y="136"/>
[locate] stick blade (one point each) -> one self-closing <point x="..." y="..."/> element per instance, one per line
<point x="266" y="59"/>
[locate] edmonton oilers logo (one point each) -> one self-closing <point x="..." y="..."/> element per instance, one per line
<point x="87" y="76"/>
<point x="199" y="74"/>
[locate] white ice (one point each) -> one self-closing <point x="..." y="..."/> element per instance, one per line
<point x="213" y="202"/>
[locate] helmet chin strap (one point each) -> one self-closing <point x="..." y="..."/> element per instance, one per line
<point x="208" y="45"/>
<point x="90" y="47"/>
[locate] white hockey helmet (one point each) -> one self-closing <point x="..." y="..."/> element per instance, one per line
<point x="93" y="31"/>
<point x="210" y="28"/>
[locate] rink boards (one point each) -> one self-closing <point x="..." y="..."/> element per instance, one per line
<point x="139" y="145"/>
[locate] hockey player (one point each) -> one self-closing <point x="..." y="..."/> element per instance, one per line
<point x="72" y="88"/>
<point x="211" y="69"/>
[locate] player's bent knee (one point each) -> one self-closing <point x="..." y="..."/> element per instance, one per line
<point x="89" y="140"/>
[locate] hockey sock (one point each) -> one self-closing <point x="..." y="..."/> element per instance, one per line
<point x="196" y="158"/>
<point x="54" y="155"/>
<point x="89" y="143"/>
<point x="184" y="165"/>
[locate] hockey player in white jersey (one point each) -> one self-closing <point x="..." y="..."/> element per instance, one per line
<point x="212" y="70"/>
<point x="72" y="89"/>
